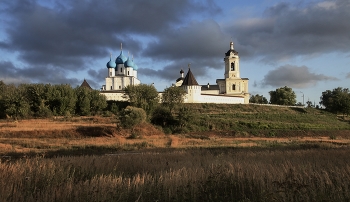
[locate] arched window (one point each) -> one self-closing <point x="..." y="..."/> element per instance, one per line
<point x="234" y="87"/>
<point x="121" y="69"/>
<point x="232" y="66"/>
<point x="128" y="73"/>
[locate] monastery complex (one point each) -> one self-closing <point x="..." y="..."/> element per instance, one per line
<point x="230" y="90"/>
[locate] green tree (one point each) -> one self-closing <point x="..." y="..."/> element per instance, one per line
<point x="143" y="96"/>
<point x="309" y="103"/>
<point x="172" y="97"/>
<point x="259" y="99"/>
<point x="337" y="100"/>
<point x="98" y="102"/>
<point x="2" y="104"/>
<point x="162" y="116"/>
<point x="61" y="99"/>
<point x="283" y="96"/>
<point x="83" y="101"/>
<point x="15" y="103"/>
<point x="89" y="101"/>
<point x="36" y="94"/>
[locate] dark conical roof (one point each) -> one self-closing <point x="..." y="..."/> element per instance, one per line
<point x="189" y="79"/>
<point x="85" y="84"/>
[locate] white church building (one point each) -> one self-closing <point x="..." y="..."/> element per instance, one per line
<point x="230" y="90"/>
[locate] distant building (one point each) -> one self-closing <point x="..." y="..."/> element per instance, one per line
<point x="121" y="72"/>
<point x="232" y="89"/>
<point x="85" y="84"/>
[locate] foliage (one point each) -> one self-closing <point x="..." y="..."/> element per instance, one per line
<point x="98" y="102"/>
<point x="173" y="96"/>
<point x="309" y="103"/>
<point x="89" y="101"/>
<point x="162" y="116"/>
<point x="283" y="96"/>
<point x="45" y="100"/>
<point x="2" y="104"/>
<point x="83" y="101"/>
<point x="15" y="104"/>
<point x="116" y="106"/>
<point x="337" y="100"/>
<point x="143" y="96"/>
<point x="61" y="99"/>
<point x="187" y="117"/>
<point x="259" y="99"/>
<point x="131" y="116"/>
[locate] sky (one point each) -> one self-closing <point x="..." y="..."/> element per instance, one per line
<point x="302" y="44"/>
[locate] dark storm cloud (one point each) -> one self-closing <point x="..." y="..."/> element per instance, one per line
<point x="293" y="76"/>
<point x="196" y="40"/>
<point x="68" y="35"/>
<point x="98" y="75"/>
<point x="11" y="74"/>
<point x="171" y="72"/>
<point x="287" y="31"/>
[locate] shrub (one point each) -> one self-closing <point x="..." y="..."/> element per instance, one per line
<point x="162" y="116"/>
<point x="131" y="116"/>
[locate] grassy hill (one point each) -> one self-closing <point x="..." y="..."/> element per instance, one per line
<point x="206" y="125"/>
<point x="264" y="120"/>
<point x="228" y="153"/>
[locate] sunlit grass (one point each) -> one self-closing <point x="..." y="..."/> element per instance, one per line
<point x="250" y="174"/>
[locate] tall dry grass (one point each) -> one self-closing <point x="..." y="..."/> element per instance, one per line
<point x="226" y="174"/>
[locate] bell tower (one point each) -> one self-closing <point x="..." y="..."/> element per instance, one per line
<point x="231" y="63"/>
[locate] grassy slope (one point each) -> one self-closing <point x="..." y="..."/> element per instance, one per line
<point x="266" y="120"/>
<point x="210" y="126"/>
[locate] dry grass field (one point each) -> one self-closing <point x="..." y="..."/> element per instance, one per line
<point x="203" y="174"/>
<point x="102" y="134"/>
<point x="93" y="159"/>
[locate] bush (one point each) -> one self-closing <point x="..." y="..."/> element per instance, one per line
<point x="162" y="116"/>
<point x="131" y="116"/>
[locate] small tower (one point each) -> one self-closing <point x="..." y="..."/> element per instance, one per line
<point x="179" y="81"/>
<point x="190" y="85"/>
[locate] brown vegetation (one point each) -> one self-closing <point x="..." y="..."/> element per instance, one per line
<point x="94" y="159"/>
<point x="302" y="173"/>
<point x="60" y="134"/>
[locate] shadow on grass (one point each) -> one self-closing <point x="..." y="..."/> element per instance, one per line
<point x="96" y="131"/>
<point x="298" y="109"/>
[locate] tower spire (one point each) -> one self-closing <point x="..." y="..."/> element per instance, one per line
<point x="121" y="46"/>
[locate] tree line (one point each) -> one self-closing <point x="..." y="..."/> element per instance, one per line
<point x="45" y="100"/>
<point x="335" y="101"/>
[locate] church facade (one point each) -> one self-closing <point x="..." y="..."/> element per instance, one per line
<point x="232" y="89"/>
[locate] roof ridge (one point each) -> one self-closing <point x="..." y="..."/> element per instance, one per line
<point x="189" y="79"/>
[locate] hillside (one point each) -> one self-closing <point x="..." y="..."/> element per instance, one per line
<point x="259" y="120"/>
<point x="207" y="125"/>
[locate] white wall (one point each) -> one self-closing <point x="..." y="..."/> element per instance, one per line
<point x="219" y="99"/>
